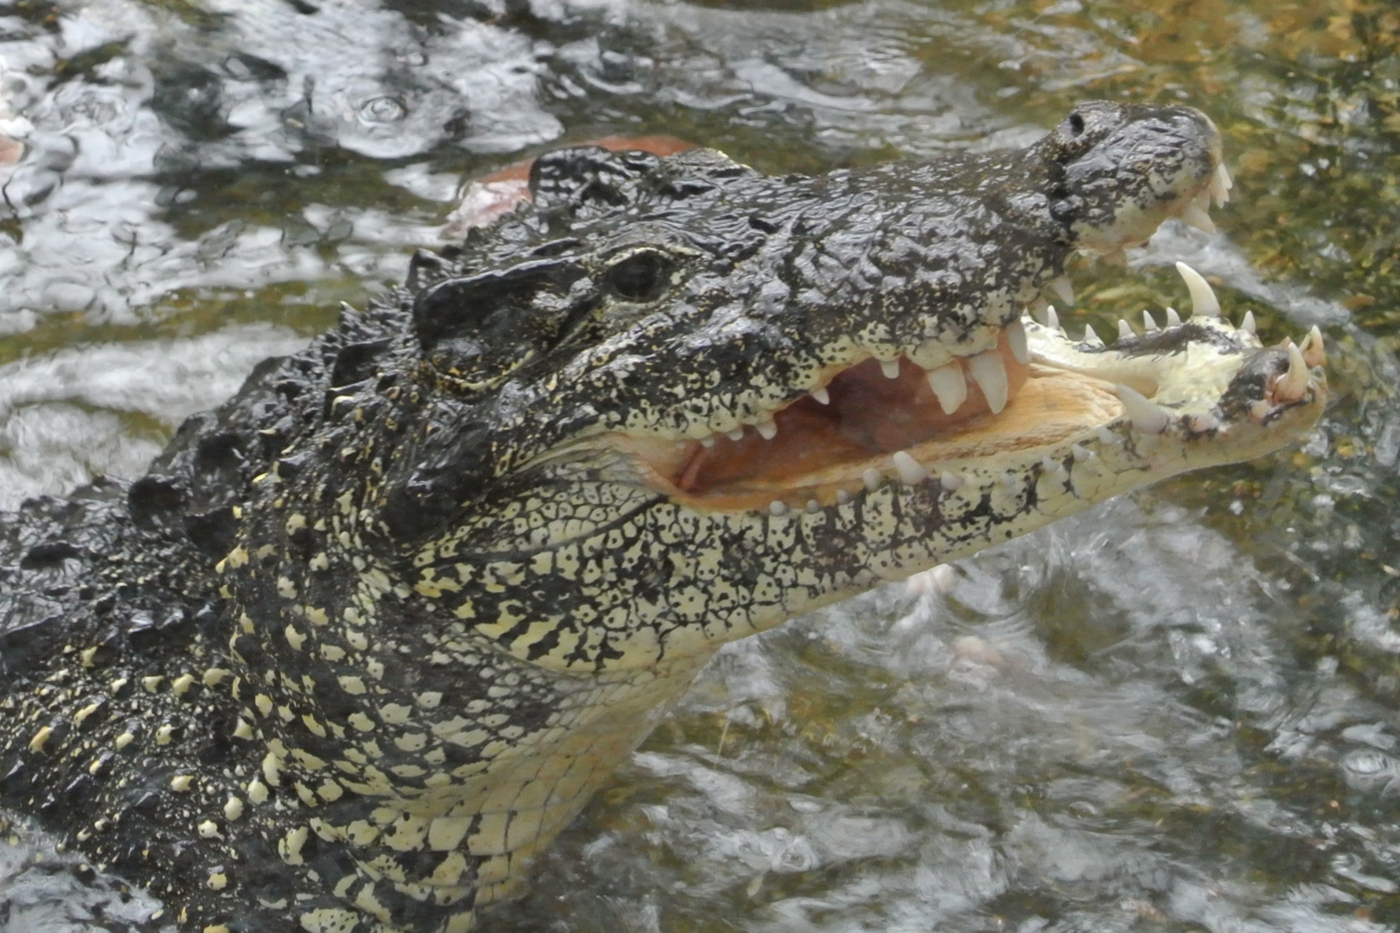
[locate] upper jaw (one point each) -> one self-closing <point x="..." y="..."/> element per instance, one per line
<point x="1199" y="390"/>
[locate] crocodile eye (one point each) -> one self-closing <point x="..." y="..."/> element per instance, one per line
<point x="642" y="276"/>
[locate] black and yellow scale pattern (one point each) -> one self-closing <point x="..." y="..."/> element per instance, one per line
<point x="369" y="635"/>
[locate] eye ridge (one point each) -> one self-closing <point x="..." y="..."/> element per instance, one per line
<point x="641" y="276"/>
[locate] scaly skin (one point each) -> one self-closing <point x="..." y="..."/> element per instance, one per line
<point x="371" y="634"/>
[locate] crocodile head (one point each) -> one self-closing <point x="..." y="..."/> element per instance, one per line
<point x="803" y="385"/>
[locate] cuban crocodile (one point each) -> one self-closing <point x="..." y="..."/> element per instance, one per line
<point x="369" y="635"/>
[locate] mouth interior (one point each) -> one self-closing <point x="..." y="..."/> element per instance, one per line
<point x="869" y="415"/>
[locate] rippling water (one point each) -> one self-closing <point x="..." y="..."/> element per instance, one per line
<point x="1177" y="711"/>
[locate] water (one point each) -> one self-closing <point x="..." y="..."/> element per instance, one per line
<point x="1177" y="711"/>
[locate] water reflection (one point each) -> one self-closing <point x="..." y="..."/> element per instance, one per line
<point x="1177" y="712"/>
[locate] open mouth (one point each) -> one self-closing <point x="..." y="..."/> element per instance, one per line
<point x="1038" y="391"/>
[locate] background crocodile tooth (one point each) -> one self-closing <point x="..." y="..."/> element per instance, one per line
<point x="1173" y="319"/>
<point x="1314" y="353"/>
<point x="707" y="441"/>
<point x="1220" y="184"/>
<point x="890" y="368"/>
<point x="989" y="372"/>
<point x="1051" y="465"/>
<point x="1203" y="300"/>
<point x="1125" y="329"/>
<point x="909" y="469"/>
<point x="1149" y="323"/>
<point x="1091" y="337"/>
<point x="1010" y="480"/>
<point x="767" y="429"/>
<point x="1080" y="453"/>
<point x="1293" y="385"/>
<point x="1016" y="341"/>
<point x="1146" y="416"/>
<point x="735" y="435"/>
<point x="1203" y="198"/>
<point x="872" y="478"/>
<point x="1247" y="323"/>
<point x="1063" y="290"/>
<point x="1195" y="216"/>
<point x="843" y="497"/>
<point x="948" y="385"/>
<point x="950" y="481"/>
<point x="821" y="395"/>
<point x="778" y="507"/>
<point x="813" y="506"/>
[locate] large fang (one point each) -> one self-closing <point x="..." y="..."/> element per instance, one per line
<point x="1063" y="290"/>
<point x="1247" y="323"/>
<point x="821" y="395"/>
<point x="1292" y="385"/>
<point x="1314" y="353"/>
<point x="1146" y="416"/>
<point x="1203" y="300"/>
<point x="1220" y="184"/>
<point x="1016" y="341"/>
<point x="909" y="470"/>
<point x="948" y="386"/>
<point x="890" y="368"/>
<point x="989" y="372"/>
<point x="767" y="429"/>
<point x="1195" y="216"/>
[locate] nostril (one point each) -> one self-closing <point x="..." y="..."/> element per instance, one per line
<point x="1076" y="125"/>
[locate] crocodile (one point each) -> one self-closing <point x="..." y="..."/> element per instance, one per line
<point x="369" y="635"/>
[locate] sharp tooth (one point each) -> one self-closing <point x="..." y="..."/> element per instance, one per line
<point x="989" y="372"/>
<point x="1149" y="324"/>
<point x="1293" y="385"/>
<point x="1220" y="184"/>
<point x="1146" y="416"/>
<point x="872" y="478"/>
<point x="1091" y="337"/>
<point x="735" y="435"/>
<point x="1203" y="422"/>
<point x="1203" y="198"/>
<point x="767" y="429"/>
<point x="822" y="395"/>
<point x="1052" y="320"/>
<point x="948" y="386"/>
<point x="1079" y="453"/>
<point x="1203" y="300"/>
<point x="1247" y="324"/>
<point x="1051" y="465"/>
<point x="777" y="507"/>
<point x="843" y="497"/>
<point x="1124" y="329"/>
<point x="707" y="441"/>
<point x="1173" y="319"/>
<point x="908" y="468"/>
<point x="951" y="482"/>
<point x="1198" y="218"/>
<point x="1314" y="353"/>
<point x="1016" y="341"/>
<point x="1009" y="480"/>
<point x="1063" y="290"/>
<point x="1107" y="436"/>
<point x="813" y="506"/>
<point x="1037" y="308"/>
<point x="890" y="368"/>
